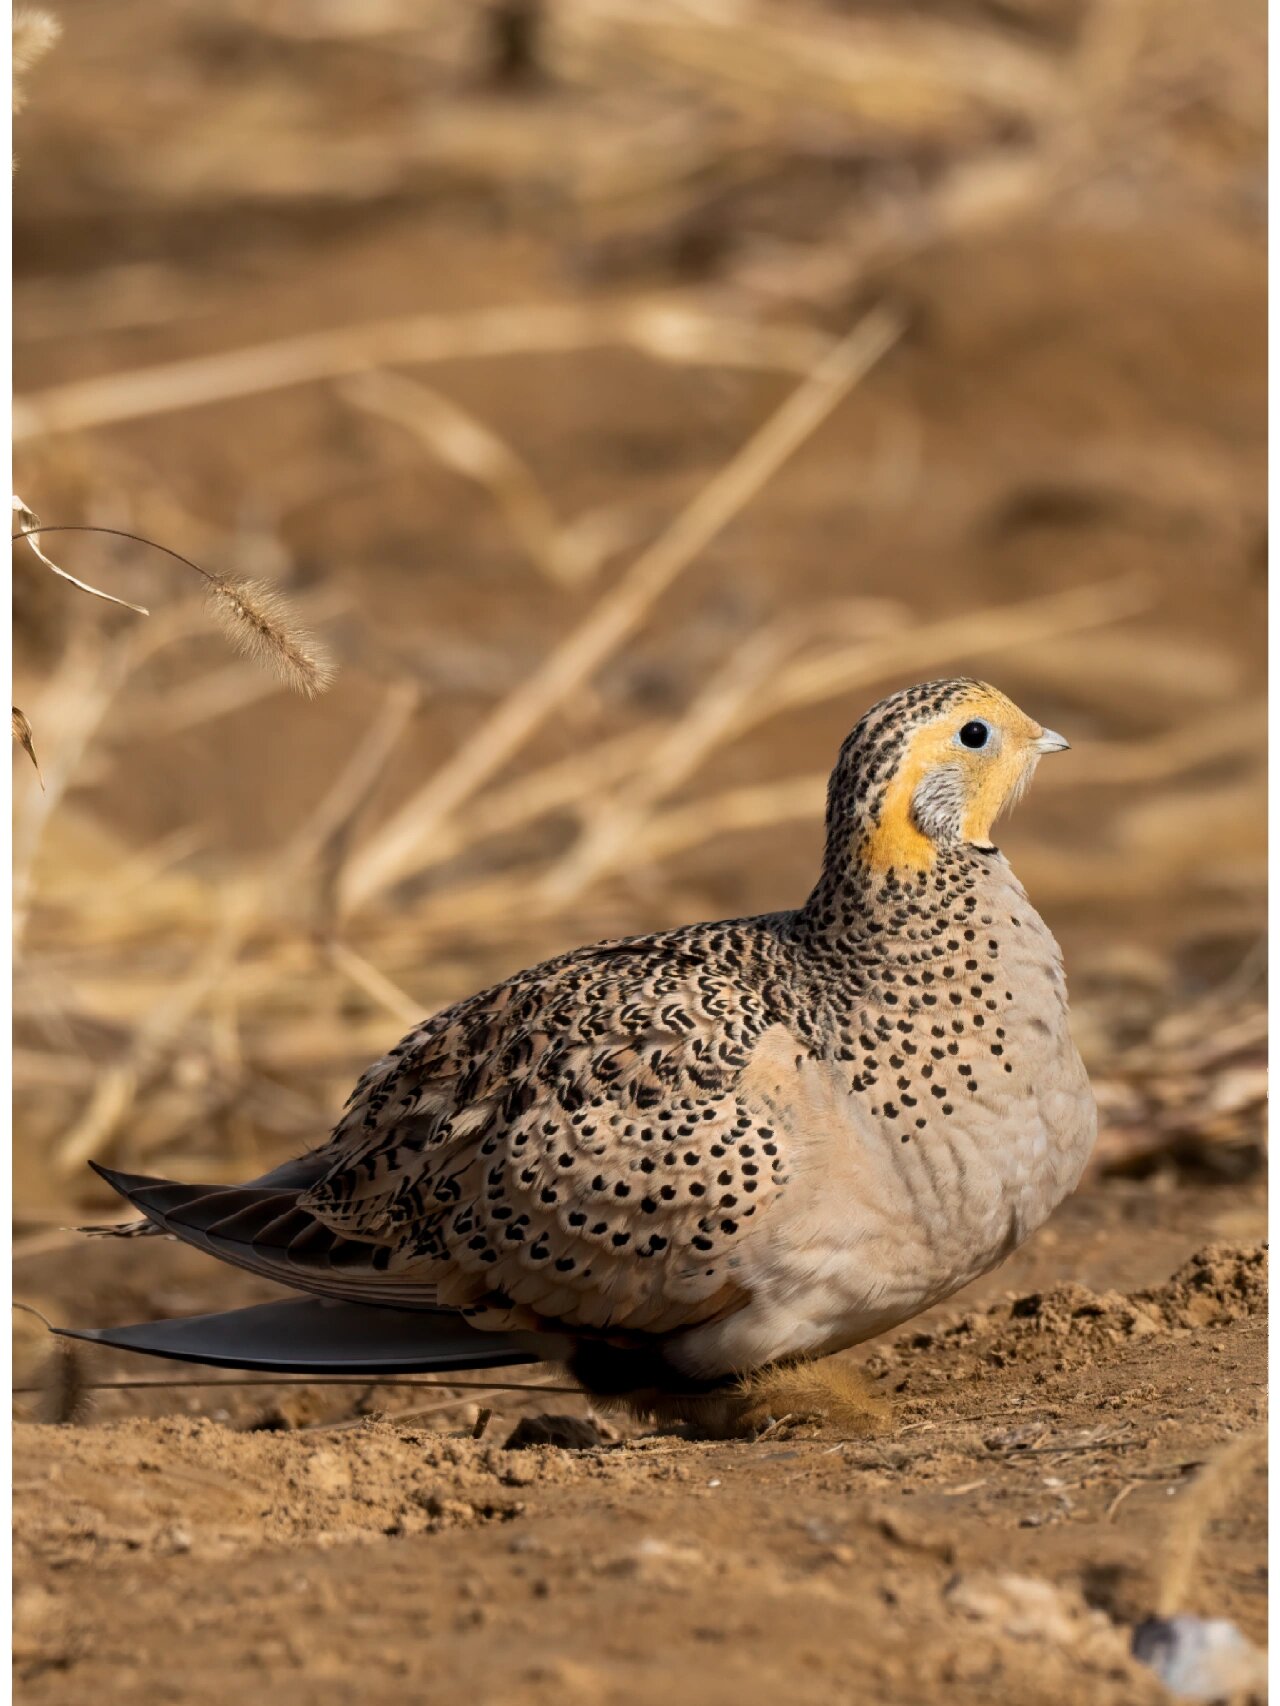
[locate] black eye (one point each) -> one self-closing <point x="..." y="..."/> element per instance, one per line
<point x="974" y="734"/>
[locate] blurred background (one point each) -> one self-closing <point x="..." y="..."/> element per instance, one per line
<point x="631" y="392"/>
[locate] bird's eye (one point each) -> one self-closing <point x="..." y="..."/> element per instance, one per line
<point x="974" y="734"/>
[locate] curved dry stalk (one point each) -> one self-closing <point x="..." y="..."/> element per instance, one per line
<point x="859" y="65"/>
<point x="75" y="706"/>
<point x="674" y="754"/>
<point x="354" y="782"/>
<point x="156" y="1037"/>
<point x="110" y="1099"/>
<point x="749" y="691"/>
<point x="376" y="985"/>
<point x="395" y="850"/>
<point x="464" y="443"/>
<point x="1220" y="1478"/>
<point x="668" y="328"/>
<point x="1144" y="761"/>
<point x="977" y="633"/>
<point x="29" y="529"/>
<point x="71" y="708"/>
<point x="762" y="805"/>
<point x="257" y="618"/>
<point x="804" y="682"/>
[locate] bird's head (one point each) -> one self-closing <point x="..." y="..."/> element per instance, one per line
<point x="930" y="768"/>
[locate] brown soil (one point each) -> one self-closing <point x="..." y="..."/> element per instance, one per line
<point x="1021" y="1511"/>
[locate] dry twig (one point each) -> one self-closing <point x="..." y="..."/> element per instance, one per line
<point x="465" y="444"/>
<point x="672" y="329"/>
<point x="1220" y="1478"/>
<point x="392" y="852"/>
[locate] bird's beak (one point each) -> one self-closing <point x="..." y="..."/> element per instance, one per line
<point x="1051" y="742"/>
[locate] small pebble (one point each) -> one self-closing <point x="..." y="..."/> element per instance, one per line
<point x="1200" y="1658"/>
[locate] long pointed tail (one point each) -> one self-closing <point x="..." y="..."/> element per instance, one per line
<point x="310" y="1335"/>
<point x="363" y="1320"/>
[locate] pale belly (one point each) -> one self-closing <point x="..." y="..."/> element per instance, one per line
<point x="923" y="1155"/>
<point x="895" y="1235"/>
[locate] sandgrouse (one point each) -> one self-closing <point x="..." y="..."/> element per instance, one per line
<point x="676" y="1160"/>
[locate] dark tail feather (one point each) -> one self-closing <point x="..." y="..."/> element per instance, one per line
<point x="297" y="1174"/>
<point x="261" y="1227"/>
<point x="309" y="1335"/>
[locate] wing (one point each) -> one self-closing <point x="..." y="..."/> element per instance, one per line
<point x="593" y="1143"/>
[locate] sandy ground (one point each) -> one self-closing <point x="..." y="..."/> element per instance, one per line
<point x="1048" y="1477"/>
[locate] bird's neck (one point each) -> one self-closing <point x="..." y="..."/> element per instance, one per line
<point x="853" y="905"/>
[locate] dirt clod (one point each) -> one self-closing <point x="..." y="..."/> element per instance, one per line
<point x="567" y="1433"/>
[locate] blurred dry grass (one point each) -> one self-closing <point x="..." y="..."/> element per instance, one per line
<point x="765" y="357"/>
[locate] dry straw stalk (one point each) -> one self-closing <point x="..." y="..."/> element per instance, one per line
<point x="619" y="611"/>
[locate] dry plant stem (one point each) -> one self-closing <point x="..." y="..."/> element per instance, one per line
<point x="109" y="1101"/>
<point x="375" y="984"/>
<point x="115" y="1090"/>
<point x="205" y="698"/>
<point x="1203" y="741"/>
<point x="30" y="1309"/>
<point x="570" y="783"/>
<point x="353" y="784"/>
<point x="804" y="682"/>
<point x="154" y="1040"/>
<point x="217" y="692"/>
<point x="322" y="843"/>
<point x="465" y="444"/>
<point x="71" y="708"/>
<point x="978" y="633"/>
<point x="675" y="755"/>
<point x="567" y="783"/>
<point x="672" y="328"/>
<point x="990" y="191"/>
<point x="30" y="530"/>
<point x="256" y="617"/>
<point x="1211" y="1489"/>
<point x="395" y="849"/>
<point x="861" y="65"/>
<point x="800" y="798"/>
<point x="42" y="1243"/>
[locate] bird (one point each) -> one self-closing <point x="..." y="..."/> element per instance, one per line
<point x="678" y="1161"/>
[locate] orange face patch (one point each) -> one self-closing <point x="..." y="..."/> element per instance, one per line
<point x="987" y="779"/>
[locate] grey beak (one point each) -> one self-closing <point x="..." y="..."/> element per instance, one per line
<point x="1051" y="742"/>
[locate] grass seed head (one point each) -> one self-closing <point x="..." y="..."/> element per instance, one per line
<point x="34" y="33"/>
<point x="64" y="1395"/>
<point x="261" y="624"/>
